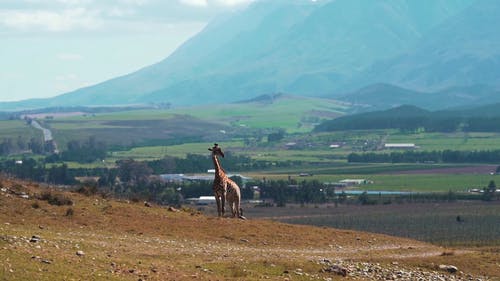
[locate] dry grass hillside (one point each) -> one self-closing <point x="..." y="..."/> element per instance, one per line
<point x="92" y="238"/>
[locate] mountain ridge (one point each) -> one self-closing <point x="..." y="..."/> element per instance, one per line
<point x="323" y="48"/>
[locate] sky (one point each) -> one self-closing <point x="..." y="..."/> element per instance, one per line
<point x="50" y="47"/>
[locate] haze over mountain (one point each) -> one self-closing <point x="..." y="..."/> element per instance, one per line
<point x="463" y="51"/>
<point x="322" y="48"/>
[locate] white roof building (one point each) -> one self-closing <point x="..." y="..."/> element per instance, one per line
<point x="400" y="145"/>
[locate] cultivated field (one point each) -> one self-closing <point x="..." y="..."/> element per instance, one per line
<point x="478" y="225"/>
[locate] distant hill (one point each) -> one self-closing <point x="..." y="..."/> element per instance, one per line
<point x="312" y="48"/>
<point x="411" y="118"/>
<point x="384" y="96"/>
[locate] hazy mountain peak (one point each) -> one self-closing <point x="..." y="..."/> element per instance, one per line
<point x="316" y="48"/>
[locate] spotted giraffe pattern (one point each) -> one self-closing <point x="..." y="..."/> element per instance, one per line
<point x="233" y="198"/>
<point x="224" y="188"/>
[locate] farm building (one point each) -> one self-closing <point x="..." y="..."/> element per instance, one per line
<point x="350" y="182"/>
<point x="400" y="145"/>
<point x="202" y="200"/>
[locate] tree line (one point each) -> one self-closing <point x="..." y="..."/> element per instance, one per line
<point x="9" y="146"/>
<point x="444" y="156"/>
<point x="411" y="119"/>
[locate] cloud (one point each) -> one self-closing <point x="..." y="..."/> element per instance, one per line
<point x="54" y="21"/>
<point x="196" y="3"/>
<point x="206" y="3"/>
<point x="232" y="2"/>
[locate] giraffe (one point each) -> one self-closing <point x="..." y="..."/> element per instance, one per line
<point x="224" y="188"/>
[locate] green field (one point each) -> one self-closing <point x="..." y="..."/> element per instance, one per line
<point x="454" y="141"/>
<point x="393" y="182"/>
<point x="294" y="114"/>
<point x="242" y="129"/>
<point x="178" y="151"/>
<point x="14" y="128"/>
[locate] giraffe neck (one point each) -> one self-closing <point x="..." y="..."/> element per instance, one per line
<point x="218" y="169"/>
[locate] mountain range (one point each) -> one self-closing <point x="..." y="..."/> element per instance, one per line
<point x="450" y="48"/>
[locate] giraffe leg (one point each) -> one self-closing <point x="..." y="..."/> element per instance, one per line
<point x="219" y="210"/>
<point x="237" y="208"/>
<point x="223" y="198"/>
<point x="231" y="204"/>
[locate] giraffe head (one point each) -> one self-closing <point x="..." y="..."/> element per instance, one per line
<point x="216" y="150"/>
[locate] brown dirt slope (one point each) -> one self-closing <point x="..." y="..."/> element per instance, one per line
<point x="105" y="239"/>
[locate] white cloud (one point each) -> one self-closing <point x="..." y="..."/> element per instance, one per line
<point x="196" y="3"/>
<point x="74" y="2"/>
<point x="64" y="20"/>
<point x="206" y="3"/>
<point x="232" y="2"/>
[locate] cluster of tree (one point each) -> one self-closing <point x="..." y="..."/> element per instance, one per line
<point x="9" y="115"/>
<point x="86" y="151"/>
<point x="445" y="156"/>
<point x="10" y="146"/>
<point x="276" y="136"/>
<point x="291" y="191"/>
<point x="411" y="119"/>
<point x="489" y="192"/>
<point x="38" y="171"/>
<point x="194" y="163"/>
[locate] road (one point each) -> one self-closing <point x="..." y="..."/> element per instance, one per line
<point x="47" y="134"/>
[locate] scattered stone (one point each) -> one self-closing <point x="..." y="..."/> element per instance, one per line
<point x="337" y="269"/>
<point x="244" y="240"/>
<point x="391" y="271"/>
<point x="449" y="268"/>
<point x="80" y="253"/>
<point x="147" y="204"/>
<point x="47" y="261"/>
<point x="35" y="238"/>
<point x="172" y="209"/>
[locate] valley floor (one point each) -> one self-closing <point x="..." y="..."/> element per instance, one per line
<point x="105" y="239"/>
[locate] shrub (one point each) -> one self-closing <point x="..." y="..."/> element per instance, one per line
<point x="56" y="199"/>
<point x="87" y="190"/>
